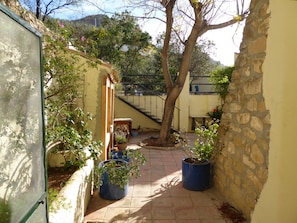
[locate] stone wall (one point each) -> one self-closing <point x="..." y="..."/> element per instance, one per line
<point x="241" y="169"/>
<point x="30" y="18"/>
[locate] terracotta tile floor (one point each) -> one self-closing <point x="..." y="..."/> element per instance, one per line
<point x="157" y="196"/>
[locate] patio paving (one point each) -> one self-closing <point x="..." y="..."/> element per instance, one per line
<point x="157" y="196"/>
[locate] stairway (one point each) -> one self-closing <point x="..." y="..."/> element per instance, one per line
<point x="149" y="105"/>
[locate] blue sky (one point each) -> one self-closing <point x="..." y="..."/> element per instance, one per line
<point x="227" y="40"/>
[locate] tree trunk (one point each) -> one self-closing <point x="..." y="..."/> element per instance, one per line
<point x="199" y="27"/>
<point x="167" y="118"/>
<point x="38" y="9"/>
<point x="168" y="113"/>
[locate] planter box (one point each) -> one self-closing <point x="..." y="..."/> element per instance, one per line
<point x="71" y="203"/>
<point x="58" y="158"/>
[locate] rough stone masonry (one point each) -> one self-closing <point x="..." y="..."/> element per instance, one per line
<point x="241" y="169"/>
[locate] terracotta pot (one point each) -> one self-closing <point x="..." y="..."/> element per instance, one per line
<point x="122" y="146"/>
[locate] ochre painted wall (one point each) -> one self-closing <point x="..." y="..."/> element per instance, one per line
<point x="278" y="200"/>
<point x="97" y="81"/>
<point x="201" y="104"/>
<point x="122" y="110"/>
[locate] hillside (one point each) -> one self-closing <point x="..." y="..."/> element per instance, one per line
<point x="93" y="20"/>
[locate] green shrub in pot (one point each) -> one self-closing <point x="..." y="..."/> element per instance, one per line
<point x="120" y="174"/>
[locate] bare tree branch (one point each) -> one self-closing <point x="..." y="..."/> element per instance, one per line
<point x="227" y="23"/>
<point x="49" y="10"/>
<point x="164" y="53"/>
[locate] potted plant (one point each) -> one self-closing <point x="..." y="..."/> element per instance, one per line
<point x="121" y="140"/>
<point x="135" y="131"/>
<point x="216" y="113"/>
<point x="196" y="167"/>
<point x="114" y="174"/>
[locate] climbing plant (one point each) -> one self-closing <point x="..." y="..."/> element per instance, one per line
<point x="220" y="78"/>
<point x="66" y="126"/>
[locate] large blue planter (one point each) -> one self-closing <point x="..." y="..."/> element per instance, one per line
<point x="120" y="155"/>
<point x="111" y="191"/>
<point x="195" y="176"/>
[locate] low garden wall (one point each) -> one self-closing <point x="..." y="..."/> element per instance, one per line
<point x="71" y="203"/>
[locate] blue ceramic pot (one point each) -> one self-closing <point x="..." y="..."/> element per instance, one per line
<point x="134" y="133"/>
<point x="110" y="191"/>
<point x="195" y="176"/>
<point x="120" y="155"/>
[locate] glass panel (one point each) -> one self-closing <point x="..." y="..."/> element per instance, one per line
<point x="39" y="215"/>
<point x="22" y="180"/>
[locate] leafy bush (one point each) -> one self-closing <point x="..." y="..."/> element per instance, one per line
<point x="221" y="77"/>
<point x="204" y="144"/>
<point x="66" y="122"/>
<point x="216" y="113"/>
<point x="119" y="172"/>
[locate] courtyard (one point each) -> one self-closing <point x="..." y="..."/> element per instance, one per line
<point x="158" y="195"/>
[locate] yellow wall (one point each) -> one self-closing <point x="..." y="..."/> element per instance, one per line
<point x="122" y="110"/>
<point x="147" y="102"/>
<point x="278" y="201"/>
<point x="194" y="105"/>
<point x="94" y="100"/>
<point x="201" y="104"/>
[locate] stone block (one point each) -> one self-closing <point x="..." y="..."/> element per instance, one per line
<point x="247" y="71"/>
<point x="231" y="148"/>
<point x="257" y="185"/>
<point x="238" y="142"/>
<point x="243" y="118"/>
<point x="234" y="107"/>
<point x="234" y="128"/>
<point x="266" y="120"/>
<point x="261" y="106"/>
<point x="247" y="132"/>
<point x="257" y="65"/>
<point x="257" y="155"/>
<point x="257" y="123"/>
<point x="257" y="46"/>
<point x="252" y="104"/>
<point x="221" y="177"/>
<point x="247" y="149"/>
<point x="253" y="87"/>
<point x="228" y="169"/>
<point x="238" y="167"/>
<point x="249" y="163"/>
<point x="263" y="144"/>
<point x="262" y="174"/>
